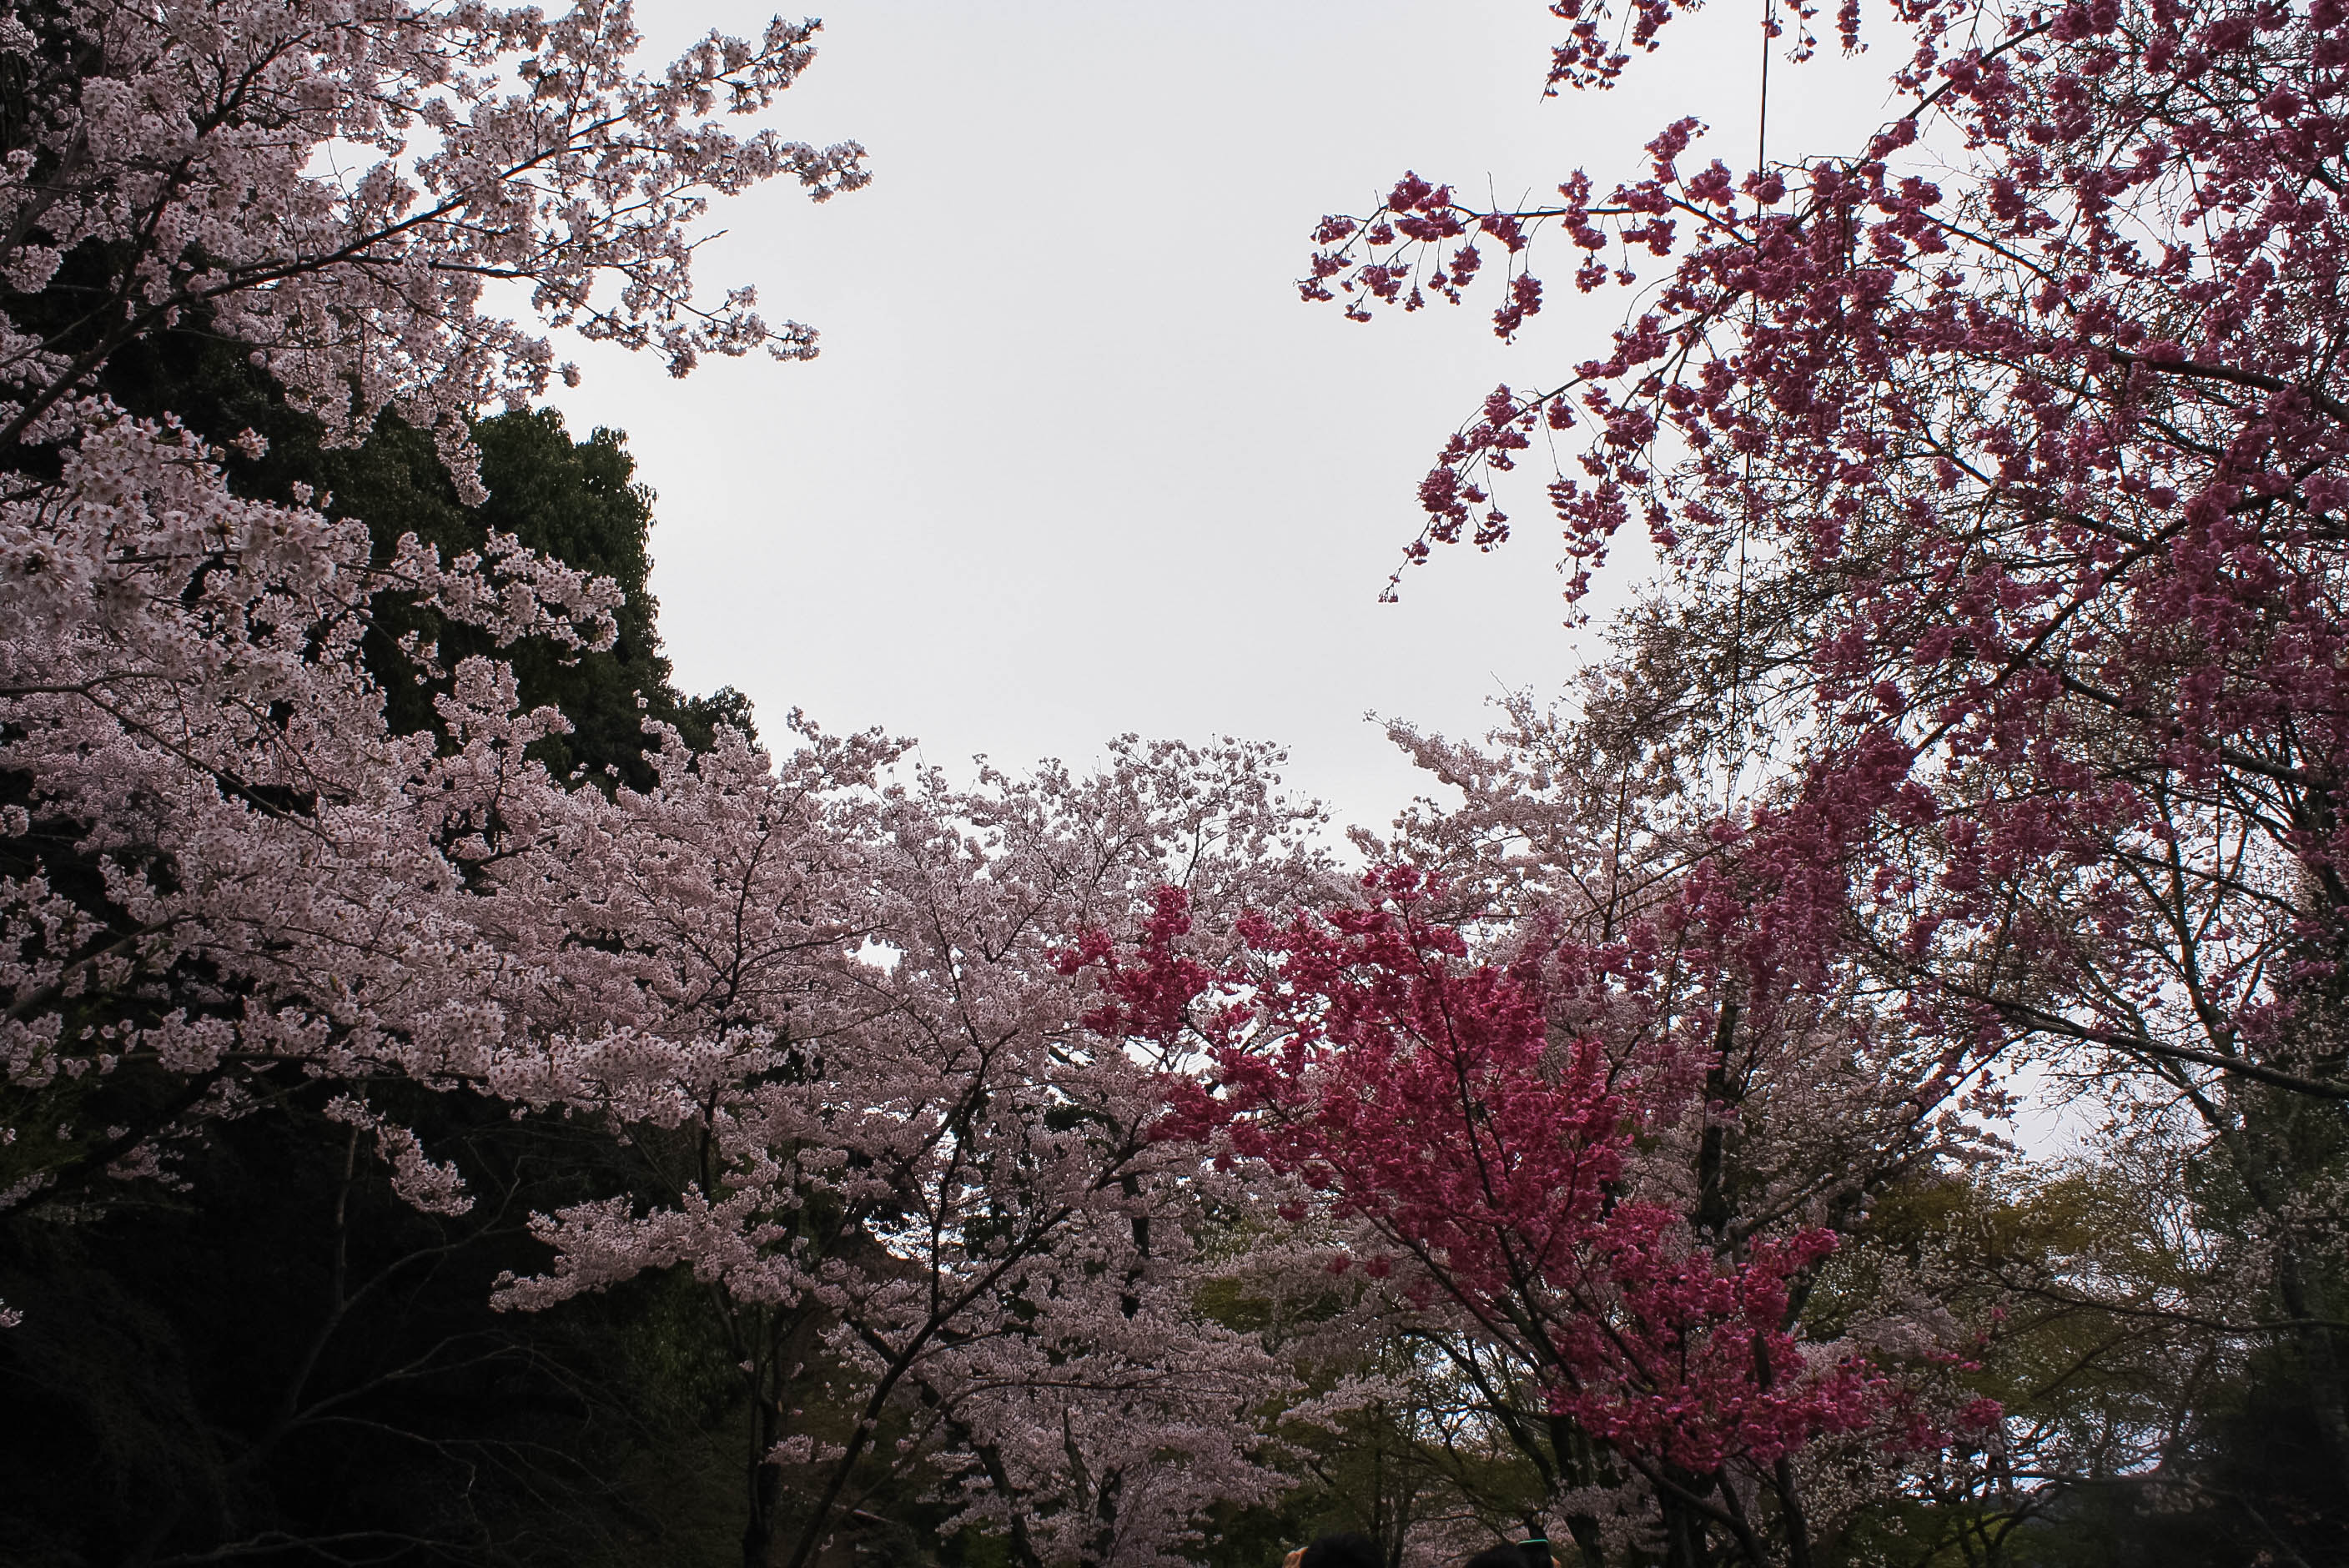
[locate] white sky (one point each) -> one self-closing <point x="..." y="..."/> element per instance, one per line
<point x="1076" y="460"/>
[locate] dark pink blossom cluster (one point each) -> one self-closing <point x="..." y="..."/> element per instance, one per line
<point x="1489" y="1168"/>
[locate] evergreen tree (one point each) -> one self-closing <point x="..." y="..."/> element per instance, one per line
<point x="576" y="500"/>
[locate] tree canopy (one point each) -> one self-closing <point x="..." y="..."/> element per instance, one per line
<point x="465" y="1102"/>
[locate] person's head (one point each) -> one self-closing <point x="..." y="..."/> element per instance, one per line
<point x="1344" y="1548"/>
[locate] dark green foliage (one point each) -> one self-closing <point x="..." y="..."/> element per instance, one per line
<point x="2246" y="1485"/>
<point x="575" y="501"/>
<point x="290" y="1353"/>
<point x="2145" y="1435"/>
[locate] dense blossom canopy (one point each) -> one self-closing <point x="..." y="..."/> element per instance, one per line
<point x="1057" y="1137"/>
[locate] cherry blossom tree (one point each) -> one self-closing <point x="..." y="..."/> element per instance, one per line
<point x="220" y="857"/>
<point x="1543" y="1173"/>
<point x="818" y="1005"/>
<point x="341" y="185"/>
<point x="913" y="1183"/>
<point x="1994" y="474"/>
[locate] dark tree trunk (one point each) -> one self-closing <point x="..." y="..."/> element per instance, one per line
<point x="766" y="1483"/>
<point x="789" y="1341"/>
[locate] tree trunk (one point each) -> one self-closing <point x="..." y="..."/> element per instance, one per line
<point x="788" y="1343"/>
<point x="2320" y="1357"/>
<point x="766" y="1482"/>
<point x="1684" y="1534"/>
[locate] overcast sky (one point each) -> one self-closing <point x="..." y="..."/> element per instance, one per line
<point x="1075" y="459"/>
